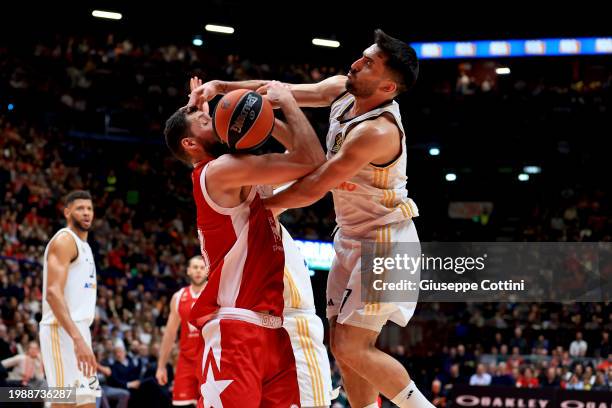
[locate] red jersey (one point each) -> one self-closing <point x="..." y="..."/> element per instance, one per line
<point x="190" y="340"/>
<point x="244" y="251"/>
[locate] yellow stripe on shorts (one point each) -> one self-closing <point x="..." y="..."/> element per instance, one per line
<point x="311" y="361"/>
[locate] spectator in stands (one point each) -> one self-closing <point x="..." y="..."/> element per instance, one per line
<point x="551" y="380"/>
<point x="5" y="344"/>
<point x="454" y="377"/>
<point x="604" y="348"/>
<point x="502" y="376"/>
<point x="436" y="397"/>
<point x="605" y="364"/>
<point x="480" y="377"/>
<point x="26" y="368"/>
<point x="119" y="395"/>
<point x="578" y="347"/>
<point x="540" y="346"/>
<point x="124" y="374"/>
<point x="527" y="380"/>
<point x="600" y="383"/>
<point x="574" y="383"/>
<point x="519" y="341"/>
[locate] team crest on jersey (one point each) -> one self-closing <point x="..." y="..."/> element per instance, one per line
<point x="338" y="140"/>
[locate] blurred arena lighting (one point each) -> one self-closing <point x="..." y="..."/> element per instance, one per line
<point x="434" y="151"/>
<point x="325" y="43"/>
<point x="544" y="47"/>
<point x="197" y="41"/>
<point x="450" y="177"/>
<point x="219" y="29"/>
<point x="523" y="177"/>
<point x="502" y="71"/>
<point x="317" y="254"/>
<point x="106" y="14"/>
<point x="532" y="169"/>
<point x="10" y="106"/>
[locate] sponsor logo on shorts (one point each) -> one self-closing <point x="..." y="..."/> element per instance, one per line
<point x="90" y="285"/>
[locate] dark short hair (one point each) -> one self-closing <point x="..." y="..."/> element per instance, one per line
<point x="177" y="128"/>
<point x="77" y="195"/>
<point x="401" y="60"/>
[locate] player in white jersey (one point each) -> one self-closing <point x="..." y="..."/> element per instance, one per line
<point x="69" y="301"/>
<point x="305" y="329"/>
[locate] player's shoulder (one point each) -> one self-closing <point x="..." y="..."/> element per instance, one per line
<point x="62" y="240"/>
<point x="377" y="127"/>
<point x="178" y="293"/>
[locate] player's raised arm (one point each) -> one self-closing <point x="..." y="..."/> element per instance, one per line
<point x="231" y="171"/>
<point x="365" y="144"/>
<point x="61" y="252"/>
<point x="315" y="95"/>
<point x="319" y="94"/>
<point x="168" y="340"/>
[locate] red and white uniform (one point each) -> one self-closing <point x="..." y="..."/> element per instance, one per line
<point x="248" y="360"/>
<point x="186" y="389"/>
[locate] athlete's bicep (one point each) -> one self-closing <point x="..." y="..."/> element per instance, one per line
<point x="355" y="154"/>
<point x="62" y="251"/>
<point x="232" y="171"/>
<point x="319" y="94"/>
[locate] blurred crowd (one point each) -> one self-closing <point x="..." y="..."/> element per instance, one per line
<point x="144" y="232"/>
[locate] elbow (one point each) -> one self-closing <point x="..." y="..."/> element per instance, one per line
<point x="53" y="294"/>
<point x="320" y="159"/>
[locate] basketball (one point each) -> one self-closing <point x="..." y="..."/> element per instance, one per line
<point x="243" y="119"/>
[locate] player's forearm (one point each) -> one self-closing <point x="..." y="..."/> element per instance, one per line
<point x="301" y="194"/>
<point x="62" y="314"/>
<point x="282" y="133"/>
<point x="227" y="86"/>
<point x="166" y="347"/>
<point x="306" y="145"/>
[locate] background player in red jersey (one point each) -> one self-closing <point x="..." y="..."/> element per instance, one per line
<point x="186" y="385"/>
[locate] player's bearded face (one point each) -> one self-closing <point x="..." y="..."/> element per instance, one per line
<point x="361" y="87"/>
<point x="79" y="224"/>
<point x="198" y="273"/>
<point x="214" y="146"/>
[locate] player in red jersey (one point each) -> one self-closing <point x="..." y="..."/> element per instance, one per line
<point x="186" y="385"/>
<point x="248" y="359"/>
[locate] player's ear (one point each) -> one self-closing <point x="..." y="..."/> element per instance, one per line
<point x="389" y="86"/>
<point x="66" y="212"/>
<point x="188" y="143"/>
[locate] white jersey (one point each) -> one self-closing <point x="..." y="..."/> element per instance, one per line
<point x="298" y="289"/>
<point x="80" y="289"/>
<point x="377" y="194"/>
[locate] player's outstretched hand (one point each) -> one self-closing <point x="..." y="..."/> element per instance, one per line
<point x="85" y="357"/>
<point x="278" y="93"/>
<point x="201" y="93"/>
<point x="161" y="375"/>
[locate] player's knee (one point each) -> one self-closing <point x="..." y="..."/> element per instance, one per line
<point x="345" y="350"/>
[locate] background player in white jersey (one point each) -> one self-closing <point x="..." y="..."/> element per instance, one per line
<point x="186" y="388"/>
<point x="69" y="301"/>
<point x="366" y="171"/>
<point x="305" y="329"/>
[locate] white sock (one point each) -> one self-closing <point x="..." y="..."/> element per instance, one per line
<point x="411" y="397"/>
<point x="372" y="405"/>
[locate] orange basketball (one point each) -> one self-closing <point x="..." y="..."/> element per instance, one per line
<point x="243" y="119"/>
